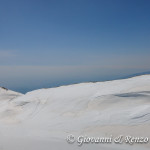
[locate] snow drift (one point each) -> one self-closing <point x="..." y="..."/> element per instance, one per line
<point x="42" y="118"/>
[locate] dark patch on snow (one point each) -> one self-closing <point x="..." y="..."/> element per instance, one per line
<point x="4" y="88"/>
<point x="141" y="116"/>
<point x="135" y="94"/>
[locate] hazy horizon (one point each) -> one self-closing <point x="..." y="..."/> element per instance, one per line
<point x="51" y="43"/>
<point x="32" y="85"/>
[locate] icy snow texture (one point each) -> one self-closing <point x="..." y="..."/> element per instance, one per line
<point x="43" y="116"/>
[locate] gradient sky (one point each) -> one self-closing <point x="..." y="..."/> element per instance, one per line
<point x="45" y="43"/>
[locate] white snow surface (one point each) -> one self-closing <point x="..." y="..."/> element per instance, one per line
<point x="43" y="118"/>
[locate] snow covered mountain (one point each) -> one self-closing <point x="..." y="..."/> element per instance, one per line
<point x="43" y="118"/>
<point x="6" y="94"/>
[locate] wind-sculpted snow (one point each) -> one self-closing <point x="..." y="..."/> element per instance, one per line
<point x="6" y="94"/>
<point x="44" y="115"/>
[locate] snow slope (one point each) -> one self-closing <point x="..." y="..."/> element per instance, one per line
<point x="43" y="118"/>
<point x="6" y="94"/>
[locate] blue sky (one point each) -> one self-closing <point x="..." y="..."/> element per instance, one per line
<point x="55" y="42"/>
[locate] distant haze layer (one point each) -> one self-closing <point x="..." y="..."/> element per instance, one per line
<point x="26" y="78"/>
